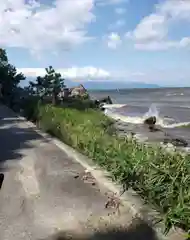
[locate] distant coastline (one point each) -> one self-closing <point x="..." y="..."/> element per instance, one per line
<point x="114" y="85"/>
<point x="107" y="85"/>
<point x="135" y="88"/>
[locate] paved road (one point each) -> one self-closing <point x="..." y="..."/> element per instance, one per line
<point x="40" y="194"/>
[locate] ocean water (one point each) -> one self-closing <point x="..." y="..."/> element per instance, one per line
<point x="171" y="106"/>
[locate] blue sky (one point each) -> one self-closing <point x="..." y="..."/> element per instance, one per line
<point x="119" y="40"/>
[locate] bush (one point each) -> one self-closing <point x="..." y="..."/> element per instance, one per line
<point x="30" y="107"/>
<point x="160" y="177"/>
<point x="78" y="103"/>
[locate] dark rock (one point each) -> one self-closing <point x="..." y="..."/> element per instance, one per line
<point x="153" y="128"/>
<point x="133" y="134"/>
<point x="1" y="179"/>
<point x="100" y="102"/>
<point x="151" y="121"/>
<point x="96" y="102"/>
<point x="105" y="100"/>
<point x="177" y="142"/>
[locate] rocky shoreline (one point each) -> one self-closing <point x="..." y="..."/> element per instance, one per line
<point x="173" y="139"/>
<point x="150" y="133"/>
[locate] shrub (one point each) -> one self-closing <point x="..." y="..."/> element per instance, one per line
<point x="78" y="103"/>
<point x="30" y="107"/>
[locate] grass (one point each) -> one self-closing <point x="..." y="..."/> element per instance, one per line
<point x="160" y="177"/>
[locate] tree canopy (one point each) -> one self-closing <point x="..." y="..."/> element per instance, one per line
<point x="9" y="77"/>
<point x="49" y="85"/>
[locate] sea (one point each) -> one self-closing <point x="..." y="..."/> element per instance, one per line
<point x="171" y="106"/>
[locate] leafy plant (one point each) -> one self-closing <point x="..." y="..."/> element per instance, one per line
<point x="49" y="85"/>
<point x="9" y="78"/>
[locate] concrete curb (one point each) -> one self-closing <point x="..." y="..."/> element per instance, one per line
<point x="129" y="198"/>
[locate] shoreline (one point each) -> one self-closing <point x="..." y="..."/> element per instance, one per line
<point x="170" y="138"/>
<point x="162" y="137"/>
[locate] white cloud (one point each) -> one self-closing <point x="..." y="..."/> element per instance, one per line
<point x="83" y="73"/>
<point x="152" y="32"/>
<point x="185" y="42"/>
<point x="120" y="11"/>
<point x="113" y="40"/>
<point x="159" y="75"/>
<point x="151" y="28"/>
<point x="41" y="27"/>
<point x="32" y="72"/>
<point x="179" y="9"/>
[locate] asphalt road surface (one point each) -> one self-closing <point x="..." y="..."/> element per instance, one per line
<point x="40" y="195"/>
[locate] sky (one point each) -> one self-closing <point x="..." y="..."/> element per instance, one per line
<point x="100" y="40"/>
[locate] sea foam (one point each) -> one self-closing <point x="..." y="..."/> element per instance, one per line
<point x="166" y="122"/>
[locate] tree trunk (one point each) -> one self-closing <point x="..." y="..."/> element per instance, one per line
<point x="54" y="98"/>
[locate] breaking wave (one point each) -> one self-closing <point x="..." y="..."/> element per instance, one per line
<point x="111" y="110"/>
<point x="174" y="94"/>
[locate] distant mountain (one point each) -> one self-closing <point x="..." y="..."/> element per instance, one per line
<point x="101" y="85"/>
<point x="110" y="85"/>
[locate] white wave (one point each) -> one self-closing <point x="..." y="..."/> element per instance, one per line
<point x="153" y="111"/>
<point x="128" y="119"/>
<point x="175" y="125"/>
<point x="174" y="94"/>
<point x="139" y="120"/>
<point x="110" y="106"/>
<point x="135" y="120"/>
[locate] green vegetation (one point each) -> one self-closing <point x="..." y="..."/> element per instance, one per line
<point x="49" y="85"/>
<point x="9" y="79"/>
<point x="160" y="177"/>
